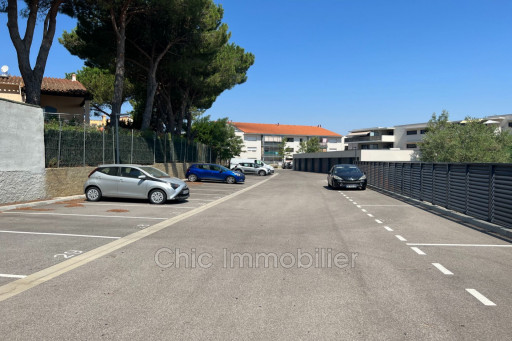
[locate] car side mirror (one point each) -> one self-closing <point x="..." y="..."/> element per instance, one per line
<point x="142" y="177"/>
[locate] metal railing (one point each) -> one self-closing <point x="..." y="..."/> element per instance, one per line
<point x="71" y="143"/>
<point x="479" y="190"/>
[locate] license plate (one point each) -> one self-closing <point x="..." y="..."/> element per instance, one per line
<point x="185" y="191"/>
<point x="351" y="186"/>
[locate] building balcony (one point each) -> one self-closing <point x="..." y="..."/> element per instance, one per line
<point x="380" y="138"/>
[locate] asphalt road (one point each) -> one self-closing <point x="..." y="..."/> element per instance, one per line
<point x="280" y="257"/>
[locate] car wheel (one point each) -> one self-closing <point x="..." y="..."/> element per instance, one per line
<point x="329" y="184"/>
<point x="262" y="173"/>
<point x="230" y="180"/>
<point x="157" y="197"/>
<point x="93" y="193"/>
<point x="192" y="178"/>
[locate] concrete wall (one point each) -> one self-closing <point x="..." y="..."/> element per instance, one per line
<point x="62" y="182"/>
<point x="21" y="152"/>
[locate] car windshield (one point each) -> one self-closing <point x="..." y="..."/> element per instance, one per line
<point x="350" y="171"/>
<point x="155" y="172"/>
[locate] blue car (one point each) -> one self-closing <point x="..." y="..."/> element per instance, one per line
<point x="209" y="171"/>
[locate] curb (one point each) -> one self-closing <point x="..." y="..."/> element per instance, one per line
<point x="482" y="224"/>
<point x="42" y="202"/>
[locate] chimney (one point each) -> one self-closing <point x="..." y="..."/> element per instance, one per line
<point x="73" y="77"/>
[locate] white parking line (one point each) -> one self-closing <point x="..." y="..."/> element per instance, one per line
<point x="400" y="238"/>
<point x="84" y="215"/>
<point x="364" y="210"/>
<point x="135" y="205"/>
<point x="12" y="276"/>
<point x="59" y="234"/>
<point x="378" y="221"/>
<point x="388" y="228"/>
<point x="199" y="200"/>
<point x="350" y="200"/>
<point x="481" y="297"/>
<point x="468" y="245"/>
<point x="442" y="269"/>
<point x="370" y="215"/>
<point x="358" y="206"/>
<point x="418" y="251"/>
<point x="195" y="193"/>
<point x="355" y="203"/>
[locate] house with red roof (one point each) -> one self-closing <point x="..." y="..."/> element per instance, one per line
<point x="67" y="97"/>
<point x="261" y="141"/>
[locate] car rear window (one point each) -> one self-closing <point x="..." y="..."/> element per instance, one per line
<point x="109" y="170"/>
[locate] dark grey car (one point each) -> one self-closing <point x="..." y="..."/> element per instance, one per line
<point x="135" y="182"/>
<point x="346" y="176"/>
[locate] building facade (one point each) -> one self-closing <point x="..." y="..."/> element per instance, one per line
<point x="262" y="141"/>
<point x="408" y="136"/>
<point x="67" y="97"/>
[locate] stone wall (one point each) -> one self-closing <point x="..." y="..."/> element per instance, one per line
<point x="21" y="152"/>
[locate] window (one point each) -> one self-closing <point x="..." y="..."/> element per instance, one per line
<point x="109" y="170"/>
<point x="50" y="109"/>
<point x="411" y="145"/>
<point x="412" y="132"/>
<point x="250" y="138"/>
<point x="331" y="140"/>
<point x="289" y="150"/>
<point x="289" y="139"/>
<point x="510" y="124"/>
<point x="129" y="172"/>
<point x="423" y="131"/>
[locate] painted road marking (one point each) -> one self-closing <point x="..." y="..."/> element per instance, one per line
<point x="370" y="215"/>
<point x="468" y="245"/>
<point x="84" y="215"/>
<point x="358" y="206"/>
<point x="60" y="234"/>
<point x="388" y="228"/>
<point x="136" y="205"/>
<point x="400" y="238"/>
<point x="364" y="210"/>
<point x="350" y="200"/>
<point x="12" y="276"/>
<point x="442" y="269"/>
<point x="481" y="297"/>
<point x="418" y="251"/>
<point x="378" y="221"/>
<point x="195" y="193"/>
<point x="355" y="203"/>
<point x="16" y="287"/>
<point x="201" y="200"/>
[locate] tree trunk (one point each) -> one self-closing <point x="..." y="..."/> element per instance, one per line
<point x="120" y="29"/>
<point x="32" y="78"/>
<point x="151" y="87"/>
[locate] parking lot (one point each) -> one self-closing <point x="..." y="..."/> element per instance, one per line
<point x="36" y="237"/>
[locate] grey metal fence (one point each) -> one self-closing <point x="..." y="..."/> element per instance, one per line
<point x="70" y="143"/>
<point x="483" y="191"/>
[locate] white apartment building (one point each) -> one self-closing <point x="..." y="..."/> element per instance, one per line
<point x="408" y="136"/>
<point x="261" y="141"/>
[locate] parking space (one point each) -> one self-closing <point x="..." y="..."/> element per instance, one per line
<point x="476" y="262"/>
<point x="37" y="237"/>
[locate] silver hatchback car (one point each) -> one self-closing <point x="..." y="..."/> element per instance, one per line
<point x="135" y="182"/>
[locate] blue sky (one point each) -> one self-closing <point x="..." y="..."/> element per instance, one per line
<point x="348" y="64"/>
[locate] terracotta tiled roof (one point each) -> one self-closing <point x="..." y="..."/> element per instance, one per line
<point x="282" y="129"/>
<point x="51" y="85"/>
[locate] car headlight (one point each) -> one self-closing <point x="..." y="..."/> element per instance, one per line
<point x="175" y="186"/>
<point x="337" y="178"/>
<point x="363" y="177"/>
